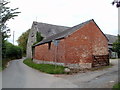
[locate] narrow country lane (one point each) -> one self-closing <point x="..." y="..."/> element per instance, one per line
<point x="105" y="78"/>
<point x="18" y="75"/>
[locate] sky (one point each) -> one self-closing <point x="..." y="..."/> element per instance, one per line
<point x="63" y="12"/>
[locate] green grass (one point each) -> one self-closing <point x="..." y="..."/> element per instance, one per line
<point x="47" y="68"/>
<point x="116" y="86"/>
<point x="0" y="65"/>
<point x="0" y="69"/>
<point x="4" y="63"/>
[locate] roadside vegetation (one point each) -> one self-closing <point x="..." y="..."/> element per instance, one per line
<point x="47" y="68"/>
<point x="116" y="86"/>
<point x="0" y="65"/>
<point x="10" y="52"/>
<point x="0" y="69"/>
<point x="116" y="46"/>
<point x="55" y="69"/>
<point x="22" y="41"/>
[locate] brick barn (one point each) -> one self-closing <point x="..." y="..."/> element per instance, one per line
<point x="81" y="46"/>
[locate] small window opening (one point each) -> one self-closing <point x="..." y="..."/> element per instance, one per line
<point x="49" y="45"/>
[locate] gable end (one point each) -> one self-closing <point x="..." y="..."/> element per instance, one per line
<point x="100" y="29"/>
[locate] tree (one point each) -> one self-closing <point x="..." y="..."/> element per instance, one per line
<point x="22" y="41"/>
<point x="117" y="2"/>
<point x="6" y="13"/>
<point x="116" y="46"/>
<point x="38" y="37"/>
<point x="12" y="51"/>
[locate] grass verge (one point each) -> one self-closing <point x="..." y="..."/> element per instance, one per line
<point x="4" y="63"/>
<point x="47" y="68"/>
<point x="52" y="69"/>
<point x="116" y="86"/>
<point x="0" y="69"/>
<point x="0" y="65"/>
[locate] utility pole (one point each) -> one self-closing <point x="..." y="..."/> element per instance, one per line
<point x="13" y="37"/>
<point x="36" y="19"/>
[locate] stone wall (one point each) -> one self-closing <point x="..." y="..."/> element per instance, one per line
<point x="31" y="40"/>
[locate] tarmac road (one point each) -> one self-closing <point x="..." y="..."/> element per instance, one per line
<point x="18" y="75"/>
<point x="105" y="78"/>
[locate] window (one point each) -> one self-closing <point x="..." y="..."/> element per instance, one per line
<point x="49" y="45"/>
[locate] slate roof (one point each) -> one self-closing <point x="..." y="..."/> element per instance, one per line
<point x="48" y="29"/>
<point x="63" y="34"/>
<point x="62" y="31"/>
<point x="111" y="38"/>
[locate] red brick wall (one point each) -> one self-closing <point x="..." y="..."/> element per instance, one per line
<point x="55" y="53"/>
<point x="99" y="43"/>
<point x="85" y="42"/>
<point x="77" y="47"/>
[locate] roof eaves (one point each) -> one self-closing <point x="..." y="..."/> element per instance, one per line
<point x="67" y="33"/>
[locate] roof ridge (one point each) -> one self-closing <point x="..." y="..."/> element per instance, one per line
<point x="63" y="33"/>
<point x="81" y="23"/>
<point x="49" y="24"/>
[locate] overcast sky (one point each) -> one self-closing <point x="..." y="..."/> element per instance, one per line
<point x="63" y="12"/>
